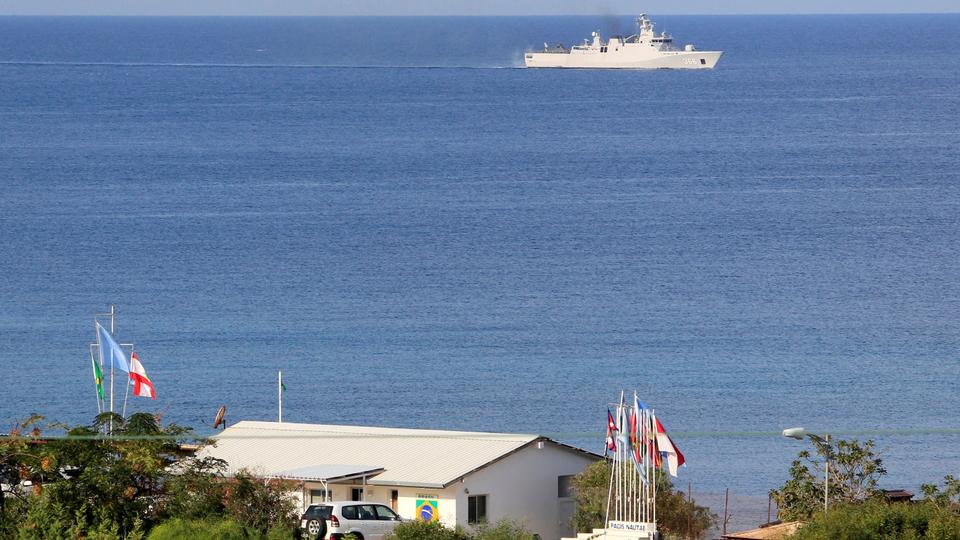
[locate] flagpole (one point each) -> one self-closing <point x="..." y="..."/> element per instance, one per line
<point x="616" y="497"/>
<point x="113" y="329"/>
<point x="635" y="473"/>
<point x="629" y="482"/>
<point x="646" y="465"/>
<point x="633" y="483"/>
<point x="96" y="332"/>
<point x="644" y="489"/>
<point x="606" y="521"/>
<point x="126" y="393"/>
<point x="279" y="396"/>
<point x="622" y="418"/>
<point x="653" y="471"/>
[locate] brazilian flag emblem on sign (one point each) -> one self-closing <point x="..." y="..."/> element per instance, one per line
<point x="427" y="510"/>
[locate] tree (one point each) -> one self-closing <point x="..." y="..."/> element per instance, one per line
<point x="674" y="512"/>
<point x="197" y="490"/>
<point x="948" y="497"/>
<point x="119" y="477"/>
<point x="855" y="470"/>
<point x="258" y="504"/>
<point x="88" y="483"/>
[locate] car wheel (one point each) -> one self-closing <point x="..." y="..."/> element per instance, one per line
<point x="317" y="528"/>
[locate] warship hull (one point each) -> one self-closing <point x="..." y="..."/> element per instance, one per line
<point x="623" y="60"/>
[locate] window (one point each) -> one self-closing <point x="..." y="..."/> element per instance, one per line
<point x="318" y="496"/>
<point x="367" y="512"/>
<point x="476" y="509"/>
<point x="356" y="494"/>
<point x="386" y="514"/>
<point x="565" y="486"/>
<point x="349" y="512"/>
<point x="322" y="512"/>
<point x="703" y="62"/>
<point x="394" y="499"/>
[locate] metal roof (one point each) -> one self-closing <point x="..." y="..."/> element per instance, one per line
<point x="408" y="457"/>
<point x="773" y="531"/>
<point x="329" y="473"/>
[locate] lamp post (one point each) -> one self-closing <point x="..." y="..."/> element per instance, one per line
<point x="799" y="433"/>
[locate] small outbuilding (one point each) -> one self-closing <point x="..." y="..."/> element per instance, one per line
<point x="455" y="477"/>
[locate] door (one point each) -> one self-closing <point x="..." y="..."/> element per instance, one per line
<point x="370" y="525"/>
<point x="388" y="519"/>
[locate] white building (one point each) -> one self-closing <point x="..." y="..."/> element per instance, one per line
<point x="464" y="476"/>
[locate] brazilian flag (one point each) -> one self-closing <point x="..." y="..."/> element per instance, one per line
<point x="98" y="377"/>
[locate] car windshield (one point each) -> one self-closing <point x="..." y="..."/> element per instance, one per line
<point x="322" y="512"/>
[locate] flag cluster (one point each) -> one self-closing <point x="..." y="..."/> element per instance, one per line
<point x="641" y="434"/>
<point x="112" y="355"/>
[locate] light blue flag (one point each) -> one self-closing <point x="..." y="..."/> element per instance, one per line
<point x="110" y="352"/>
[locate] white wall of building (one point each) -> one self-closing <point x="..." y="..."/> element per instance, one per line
<point x="523" y="487"/>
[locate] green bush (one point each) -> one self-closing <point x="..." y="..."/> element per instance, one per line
<point x="875" y="520"/>
<point x="198" y="529"/>
<point x="280" y="532"/>
<point x="503" y="530"/>
<point x="426" y="530"/>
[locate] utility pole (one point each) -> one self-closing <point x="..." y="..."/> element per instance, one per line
<point x="726" y="517"/>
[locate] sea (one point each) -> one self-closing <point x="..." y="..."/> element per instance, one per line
<point x="418" y="232"/>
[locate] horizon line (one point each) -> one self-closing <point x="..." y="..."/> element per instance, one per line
<point x="470" y="15"/>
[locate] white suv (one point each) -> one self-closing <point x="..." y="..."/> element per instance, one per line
<point x="334" y="520"/>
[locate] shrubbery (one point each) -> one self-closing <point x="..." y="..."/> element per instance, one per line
<point x="101" y="487"/>
<point x="501" y="530"/>
<point x="213" y="529"/>
<point x="858" y="510"/>
<point x="875" y="520"/>
<point x="198" y="529"/>
<point x="426" y="530"/>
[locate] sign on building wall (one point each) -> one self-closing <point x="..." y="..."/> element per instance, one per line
<point x="427" y="510"/>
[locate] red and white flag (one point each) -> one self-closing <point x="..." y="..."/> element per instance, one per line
<point x="141" y="383"/>
<point x="611" y="429"/>
<point x="674" y="457"/>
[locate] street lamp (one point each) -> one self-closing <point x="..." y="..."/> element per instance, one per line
<point x="799" y="433"/>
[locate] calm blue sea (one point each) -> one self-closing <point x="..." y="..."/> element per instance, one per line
<point x="420" y="235"/>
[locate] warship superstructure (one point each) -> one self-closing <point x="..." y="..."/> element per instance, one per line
<point x="644" y="50"/>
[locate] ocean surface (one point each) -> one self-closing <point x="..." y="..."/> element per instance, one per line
<point x="420" y="235"/>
